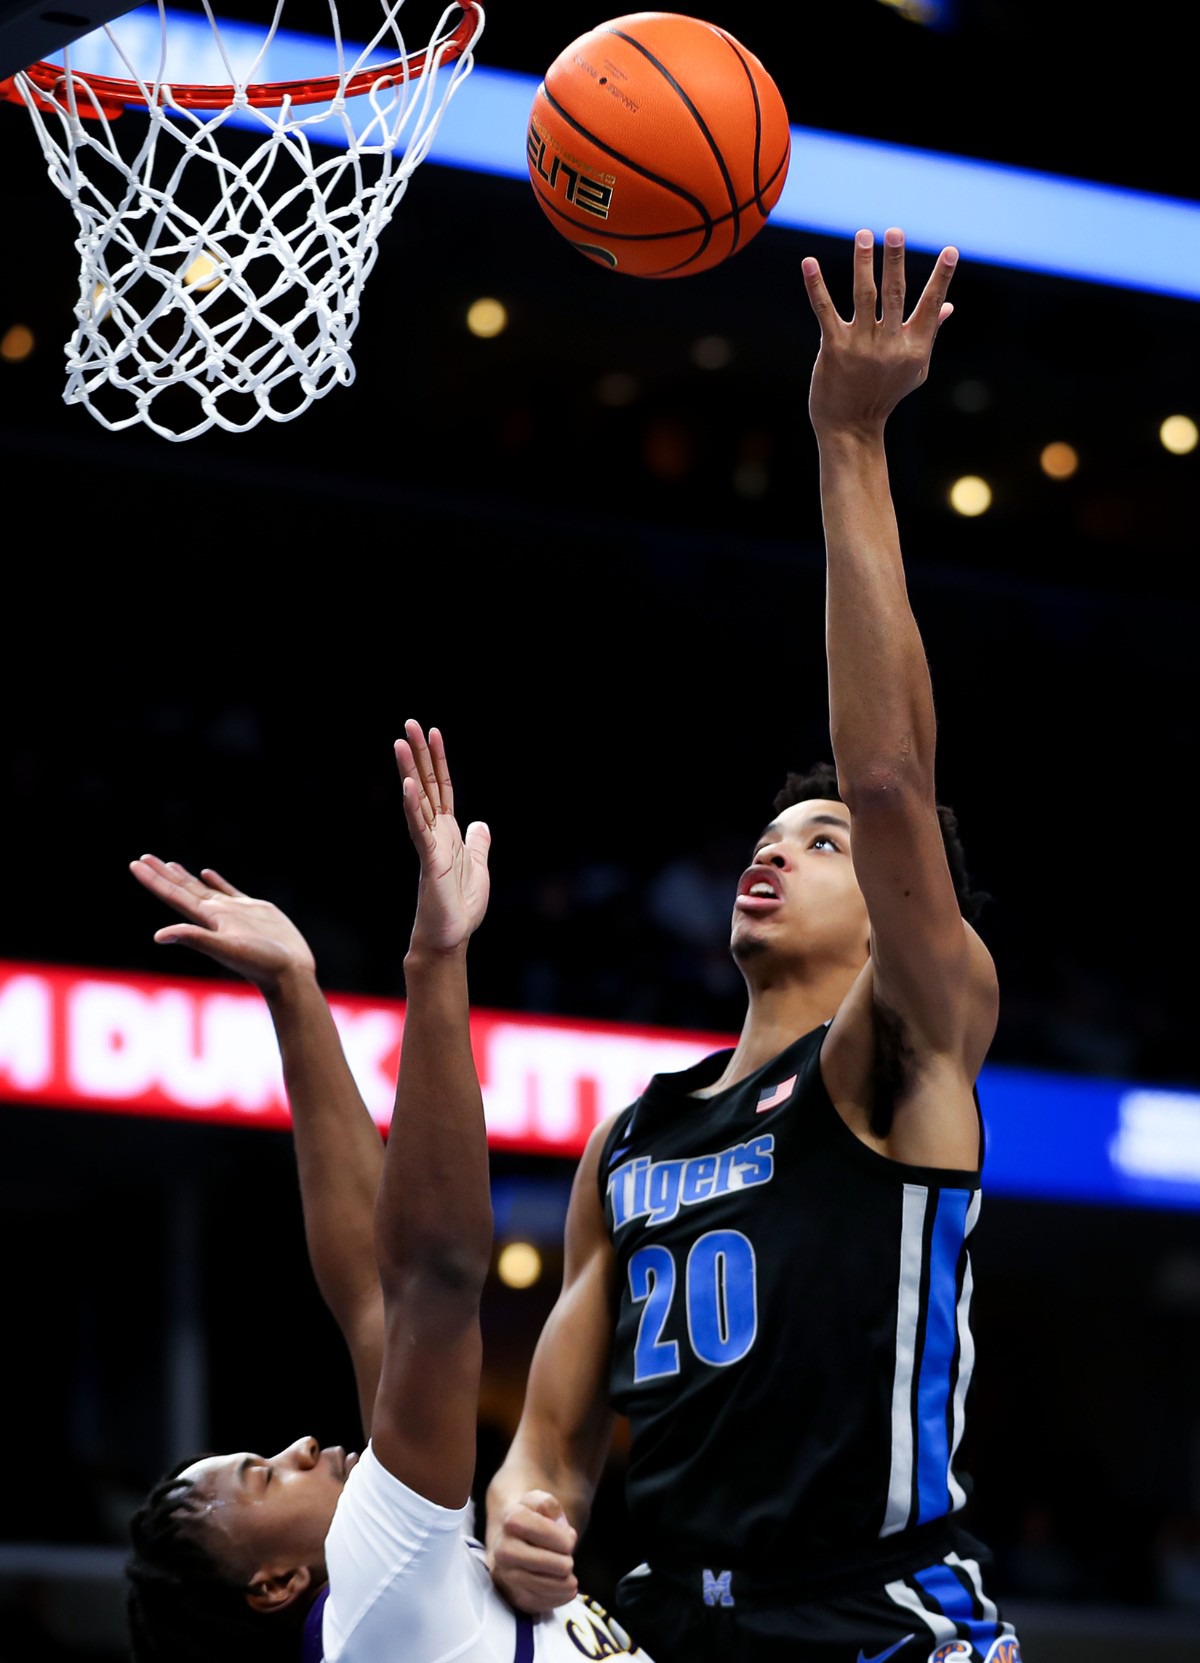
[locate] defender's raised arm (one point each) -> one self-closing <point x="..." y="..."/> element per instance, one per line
<point x="433" y="1220"/>
<point x="339" y="1152"/>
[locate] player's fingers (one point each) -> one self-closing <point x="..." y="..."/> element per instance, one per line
<point x="422" y="760"/>
<point x="441" y="771"/>
<point x="410" y="774"/>
<point x="540" y="1523"/>
<point x="535" y="1594"/>
<point x="478" y="842"/>
<point x="170" y="871"/>
<point x="543" y="1502"/>
<point x="194" y="886"/>
<point x="155" y="875"/>
<point x="417" y="812"/>
<point x="544" y="1593"/>
<point x="184" y="935"/>
<point x="406" y="749"/>
<point x="537" y="1580"/>
<point x="521" y="1558"/>
<point x="818" y="294"/>
<point x="149" y="870"/>
<point x="214" y="880"/>
<point x="930" y="309"/>
<point x="892" y="286"/>
<point x="865" y="298"/>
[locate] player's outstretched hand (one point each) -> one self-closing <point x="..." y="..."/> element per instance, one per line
<point x="531" y="1559"/>
<point x="250" y="937"/>
<point x="867" y="365"/>
<point x="452" y="895"/>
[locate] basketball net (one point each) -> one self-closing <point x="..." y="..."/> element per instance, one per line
<point x="222" y="269"/>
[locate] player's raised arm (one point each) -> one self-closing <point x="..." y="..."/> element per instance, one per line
<point x="433" y="1221"/>
<point x="339" y="1152"/>
<point x="540" y="1498"/>
<point x="931" y="980"/>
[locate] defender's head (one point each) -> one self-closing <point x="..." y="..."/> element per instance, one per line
<point x="229" y="1552"/>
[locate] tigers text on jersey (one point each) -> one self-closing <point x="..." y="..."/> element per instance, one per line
<point x="405" y="1582"/>
<point x="793" y="1346"/>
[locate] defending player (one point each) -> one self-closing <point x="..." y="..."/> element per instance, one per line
<point x="767" y="1265"/>
<point x="312" y="1552"/>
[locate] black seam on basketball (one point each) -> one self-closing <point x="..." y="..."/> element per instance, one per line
<point x="550" y="203"/>
<point x="626" y="161"/>
<point x="753" y="84"/>
<point x="631" y="40"/>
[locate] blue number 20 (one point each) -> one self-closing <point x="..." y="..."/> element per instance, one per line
<point x="720" y="1296"/>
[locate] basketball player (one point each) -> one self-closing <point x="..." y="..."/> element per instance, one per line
<point x="312" y="1552"/>
<point x="767" y="1267"/>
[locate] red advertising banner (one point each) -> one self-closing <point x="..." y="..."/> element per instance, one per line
<point x="205" y="1051"/>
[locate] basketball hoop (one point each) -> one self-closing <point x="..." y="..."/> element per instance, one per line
<point x="223" y="255"/>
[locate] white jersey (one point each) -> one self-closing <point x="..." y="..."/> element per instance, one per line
<point x="408" y="1585"/>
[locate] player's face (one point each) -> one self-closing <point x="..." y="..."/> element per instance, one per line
<point x="272" y="1513"/>
<point x="799" y="896"/>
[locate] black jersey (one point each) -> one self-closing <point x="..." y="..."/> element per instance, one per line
<point x="793" y="1347"/>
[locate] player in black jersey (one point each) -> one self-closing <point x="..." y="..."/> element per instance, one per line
<point x="766" y="1256"/>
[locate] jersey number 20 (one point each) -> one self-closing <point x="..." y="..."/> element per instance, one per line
<point x="719" y="1297"/>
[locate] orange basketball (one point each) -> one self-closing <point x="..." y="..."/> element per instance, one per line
<point x="658" y="144"/>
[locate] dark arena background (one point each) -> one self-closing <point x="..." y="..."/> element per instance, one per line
<point x="588" y="547"/>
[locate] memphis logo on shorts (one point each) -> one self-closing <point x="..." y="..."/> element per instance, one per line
<point x="655" y="1190"/>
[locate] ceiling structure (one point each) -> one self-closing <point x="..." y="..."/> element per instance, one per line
<point x="1032" y="359"/>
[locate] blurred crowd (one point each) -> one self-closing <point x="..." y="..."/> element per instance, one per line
<point x="585" y="920"/>
<point x="652" y="946"/>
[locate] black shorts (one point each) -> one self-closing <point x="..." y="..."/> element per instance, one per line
<point x="935" y="1613"/>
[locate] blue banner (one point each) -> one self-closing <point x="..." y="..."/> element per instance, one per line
<point x="1003" y="216"/>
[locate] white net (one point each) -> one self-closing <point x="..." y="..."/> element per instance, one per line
<point x="224" y="252"/>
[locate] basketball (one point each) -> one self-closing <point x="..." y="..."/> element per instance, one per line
<point x="657" y="145"/>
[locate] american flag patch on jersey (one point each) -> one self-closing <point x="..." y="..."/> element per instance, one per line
<point x="770" y="1097"/>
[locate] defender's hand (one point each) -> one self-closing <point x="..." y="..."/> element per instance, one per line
<point x="532" y="1558"/>
<point x="867" y="365"/>
<point x="453" y="892"/>
<point x="252" y="938"/>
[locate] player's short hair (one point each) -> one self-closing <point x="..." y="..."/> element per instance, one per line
<point x="183" y="1605"/>
<point x="821" y="781"/>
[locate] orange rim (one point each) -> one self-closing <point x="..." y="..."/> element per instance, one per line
<point x="108" y="94"/>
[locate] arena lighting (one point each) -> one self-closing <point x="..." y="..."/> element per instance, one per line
<point x="16" y="343"/>
<point x="1003" y="216"/>
<point x="204" y="1051"/>
<point x="519" y="1264"/>
<point x="970" y="496"/>
<point x="1179" y="435"/>
<point x="487" y="318"/>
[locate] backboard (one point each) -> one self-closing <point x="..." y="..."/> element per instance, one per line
<point x="34" y="29"/>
